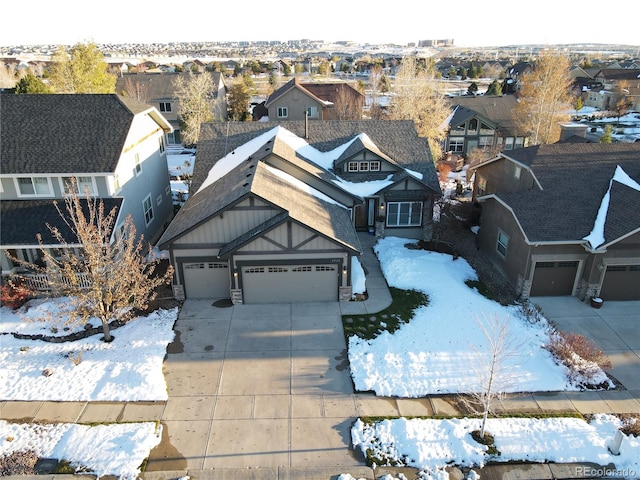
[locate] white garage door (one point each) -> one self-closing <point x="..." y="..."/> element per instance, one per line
<point x="290" y="283"/>
<point x="206" y="280"/>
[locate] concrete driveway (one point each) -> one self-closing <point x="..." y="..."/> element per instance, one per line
<point x="615" y="328"/>
<point x="257" y="386"/>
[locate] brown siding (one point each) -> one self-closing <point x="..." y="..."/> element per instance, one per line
<point x="501" y="177"/>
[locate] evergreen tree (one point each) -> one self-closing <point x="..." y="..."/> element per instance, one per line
<point x="495" y="88"/>
<point x="473" y="89"/>
<point x="32" y="84"/>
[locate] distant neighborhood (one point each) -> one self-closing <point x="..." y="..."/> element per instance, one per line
<point x="272" y="206"/>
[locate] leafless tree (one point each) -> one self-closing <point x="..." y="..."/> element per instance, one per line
<point x="418" y="97"/>
<point x="346" y="107"/>
<point x="493" y="366"/>
<point x="110" y="278"/>
<point x="545" y="98"/>
<point x="196" y="95"/>
<point x="135" y="90"/>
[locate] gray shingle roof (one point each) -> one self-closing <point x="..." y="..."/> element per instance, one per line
<point x="496" y="108"/>
<point x="574" y="179"/>
<point x="63" y="133"/>
<point x="23" y="220"/>
<point x="396" y="139"/>
<point x="252" y="177"/>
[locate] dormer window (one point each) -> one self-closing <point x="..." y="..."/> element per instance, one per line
<point x="364" y="166"/>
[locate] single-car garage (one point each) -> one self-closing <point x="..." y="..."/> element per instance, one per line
<point x="554" y="278"/>
<point x="621" y="282"/>
<point x="206" y="279"/>
<point x="286" y="283"/>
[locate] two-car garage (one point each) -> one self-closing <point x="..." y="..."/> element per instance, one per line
<point x="284" y="283"/>
<point x="264" y="283"/>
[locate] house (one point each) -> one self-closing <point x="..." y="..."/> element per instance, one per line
<point x="317" y="101"/>
<point x="484" y="122"/>
<point x="112" y="146"/>
<point x="563" y="219"/>
<point x="158" y="89"/>
<point x="513" y="78"/>
<point x="616" y="84"/>
<point x="275" y="208"/>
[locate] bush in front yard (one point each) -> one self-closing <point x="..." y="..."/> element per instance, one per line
<point x="14" y="293"/>
<point x="580" y="354"/>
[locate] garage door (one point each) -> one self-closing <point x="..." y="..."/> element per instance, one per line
<point x="553" y="279"/>
<point x="290" y="283"/>
<point x="206" y="280"/>
<point x="621" y="282"/>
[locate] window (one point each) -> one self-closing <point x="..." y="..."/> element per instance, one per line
<point x="473" y="125"/>
<point x="312" y="112"/>
<point x="353" y="166"/>
<point x="147" y="207"/>
<point x="363" y="166"/>
<point x="508" y="143"/>
<point x="404" y="214"/>
<point x="283" y="112"/>
<point x="116" y="183"/>
<point x="484" y="142"/>
<point x="482" y="186"/>
<point x="486" y="129"/>
<point x="503" y="244"/>
<point x="159" y="200"/>
<point x="517" y="171"/>
<point x="34" y="186"/>
<point x="138" y="167"/>
<point x="374" y="166"/>
<point x="83" y="184"/>
<point x="456" y="144"/>
<point x="165" y="106"/>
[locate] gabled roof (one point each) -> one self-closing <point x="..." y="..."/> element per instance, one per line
<point x="397" y="140"/>
<point x="497" y="109"/>
<point x="251" y="177"/>
<point x="331" y="92"/>
<point x="574" y="179"/>
<point x="159" y="86"/>
<point x="66" y="133"/>
<point x="23" y="220"/>
<point x="291" y="85"/>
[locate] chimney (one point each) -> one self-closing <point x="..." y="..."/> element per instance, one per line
<point x="570" y="129"/>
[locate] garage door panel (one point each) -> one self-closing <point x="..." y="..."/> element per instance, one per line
<point x="290" y="283"/>
<point x="206" y="279"/>
<point x="621" y="282"/>
<point x="554" y="278"/>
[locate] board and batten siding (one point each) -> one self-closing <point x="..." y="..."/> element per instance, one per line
<point x="228" y="226"/>
<point x="295" y="237"/>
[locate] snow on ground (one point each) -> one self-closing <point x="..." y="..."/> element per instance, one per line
<point x="127" y="369"/>
<point x="117" y="449"/>
<point x="436" y="351"/>
<point x="431" y="444"/>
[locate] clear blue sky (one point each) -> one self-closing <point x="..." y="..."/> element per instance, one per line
<point x="469" y="23"/>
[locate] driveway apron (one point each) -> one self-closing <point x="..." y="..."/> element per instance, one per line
<point x="257" y="386"/>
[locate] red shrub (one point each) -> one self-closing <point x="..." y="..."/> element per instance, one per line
<point x="14" y="294"/>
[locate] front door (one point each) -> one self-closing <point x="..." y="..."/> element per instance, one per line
<point x="361" y="217"/>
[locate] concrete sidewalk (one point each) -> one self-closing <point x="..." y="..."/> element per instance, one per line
<point x="264" y="391"/>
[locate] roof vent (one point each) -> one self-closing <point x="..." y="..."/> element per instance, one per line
<point x="246" y="184"/>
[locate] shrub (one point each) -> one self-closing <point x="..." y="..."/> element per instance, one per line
<point x="18" y="463"/>
<point x="14" y="293"/>
<point x="631" y="424"/>
<point x="580" y="354"/>
<point x="444" y="169"/>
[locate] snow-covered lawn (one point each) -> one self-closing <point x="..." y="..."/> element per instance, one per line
<point x="435" y="352"/>
<point x="431" y="445"/>
<point x="127" y="369"/>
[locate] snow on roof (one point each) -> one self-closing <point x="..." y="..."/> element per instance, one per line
<point x="302" y="186"/>
<point x="323" y="159"/>
<point x="596" y="237"/>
